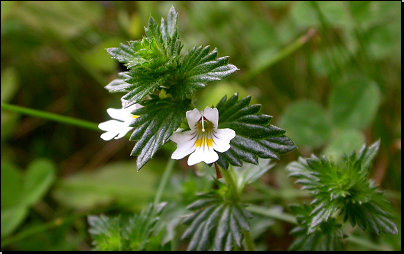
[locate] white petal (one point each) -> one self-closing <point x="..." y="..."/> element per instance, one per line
<point x="221" y="139"/>
<point x="212" y="114"/>
<point x="109" y="135"/>
<point x="183" y="137"/>
<point x="209" y="155"/>
<point x="123" y="132"/>
<point x="119" y="114"/>
<point x="195" y="157"/>
<point x="123" y="114"/>
<point x="203" y="154"/>
<point x="193" y="117"/>
<point x="110" y="125"/>
<point x="183" y="150"/>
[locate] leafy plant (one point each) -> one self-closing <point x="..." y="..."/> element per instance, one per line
<point x="340" y="187"/>
<point x="124" y="234"/>
<point x="156" y="65"/>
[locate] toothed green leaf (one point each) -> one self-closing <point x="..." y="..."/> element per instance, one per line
<point x="215" y="224"/>
<point x="157" y="121"/>
<point x="124" y="233"/>
<point x="255" y="137"/>
<point x="343" y="186"/>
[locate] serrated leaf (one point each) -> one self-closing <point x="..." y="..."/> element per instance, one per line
<point x="198" y="68"/>
<point x="152" y="61"/>
<point x="255" y="137"/>
<point x="157" y="121"/>
<point x="216" y="225"/>
<point x="344" y="187"/>
<point x="124" y="233"/>
<point x="324" y="237"/>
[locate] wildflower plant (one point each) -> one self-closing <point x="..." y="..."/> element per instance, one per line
<point x="158" y="106"/>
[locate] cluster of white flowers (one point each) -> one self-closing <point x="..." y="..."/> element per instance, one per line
<point x="201" y="141"/>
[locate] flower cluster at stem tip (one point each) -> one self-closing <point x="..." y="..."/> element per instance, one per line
<point x="201" y="141"/>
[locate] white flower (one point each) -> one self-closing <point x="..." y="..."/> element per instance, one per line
<point x="203" y="138"/>
<point x="118" y="129"/>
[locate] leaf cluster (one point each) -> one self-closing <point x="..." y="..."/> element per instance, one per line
<point x="324" y="237"/>
<point x="216" y="224"/>
<point x="342" y="187"/>
<point x="155" y="65"/>
<point x="124" y="233"/>
<point x="255" y="137"/>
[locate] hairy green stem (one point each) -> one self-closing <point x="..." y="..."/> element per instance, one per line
<point x="164" y="180"/>
<point x="228" y="176"/>
<point x="51" y="116"/>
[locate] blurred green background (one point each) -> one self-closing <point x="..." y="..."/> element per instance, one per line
<point x="329" y="73"/>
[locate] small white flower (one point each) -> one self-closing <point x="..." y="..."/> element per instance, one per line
<point x="118" y="129"/>
<point x="203" y="138"/>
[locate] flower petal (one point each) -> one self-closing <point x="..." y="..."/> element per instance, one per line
<point x="221" y="139"/>
<point x="193" y="117"/>
<point x="212" y="114"/>
<point x="205" y="154"/>
<point x="183" y="137"/>
<point x="123" y="131"/>
<point x="110" y="125"/>
<point x="123" y="114"/>
<point x="183" y="150"/>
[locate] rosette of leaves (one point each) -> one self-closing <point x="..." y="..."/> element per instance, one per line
<point x="344" y="187"/>
<point x="216" y="224"/>
<point x="124" y="233"/>
<point x="324" y="237"/>
<point x="255" y="137"/>
<point x="155" y="65"/>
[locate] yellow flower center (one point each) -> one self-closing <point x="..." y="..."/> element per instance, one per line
<point x="204" y="128"/>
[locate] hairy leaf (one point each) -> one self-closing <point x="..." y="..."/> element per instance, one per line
<point x="198" y="68"/>
<point x="344" y="187"/>
<point x="326" y="237"/>
<point x="157" y="121"/>
<point x="152" y="62"/>
<point x="255" y="137"/>
<point x="124" y="234"/>
<point x="215" y="224"/>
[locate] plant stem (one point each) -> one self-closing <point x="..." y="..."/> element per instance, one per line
<point x="249" y="243"/>
<point x="230" y="181"/>
<point x="51" y="116"/>
<point x="228" y="176"/>
<point x="164" y="181"/>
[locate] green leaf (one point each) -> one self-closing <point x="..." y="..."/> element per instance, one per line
<point x="326" y="237"/>
<point x="40" y="175"/>
<point x="343" y="186"/>
<point x="11" y="218"/>
<point x="215" y="223"/>
<point x="344" y="142"/>
<point x="157" y="121"/>
<point x="152" y="61"/>
<point x="124" y="234"/>
<point x="198" y="68"/>
<point x="354" y="104"/>
<point x="306" y="123"/>
<point x="255" y="137"/>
